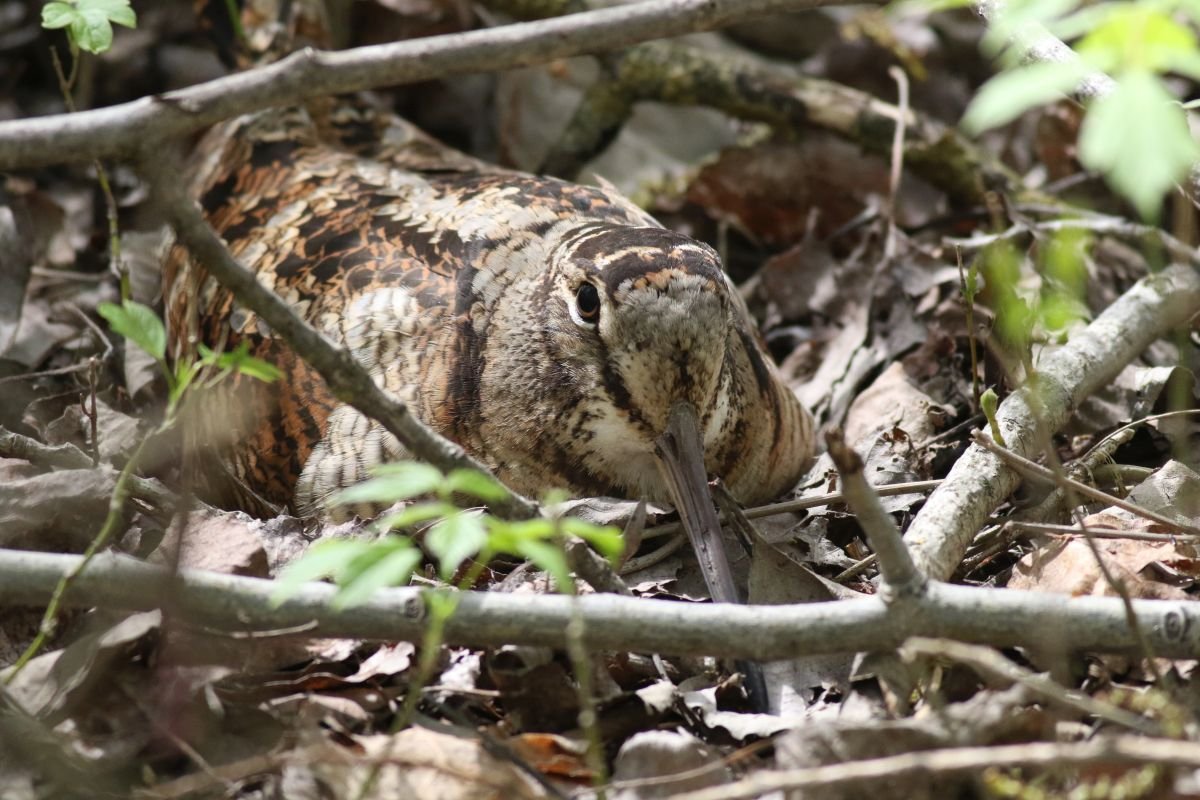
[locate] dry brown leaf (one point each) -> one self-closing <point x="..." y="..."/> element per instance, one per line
<point x="1069" y="567"/>
<point x="390" y="659"/>
<point x="420" y="764"/>
<point x="551" y="754"/>
<point x="219" y="541"/>
<point x="660" y="754"/>
<point x="894" y="401"/>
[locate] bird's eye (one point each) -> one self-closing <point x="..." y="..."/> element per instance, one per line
<point x="587" y="301"/>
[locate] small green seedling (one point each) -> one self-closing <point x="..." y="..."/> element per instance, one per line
<point x="88" y="22"/>
<point x="453" y="535"/>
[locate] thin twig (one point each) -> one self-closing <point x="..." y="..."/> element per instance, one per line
<point x="68" y="456"/>
<point x="897" y="160"/>
<point x="1104" y="750"/>
<point x="638" y="563"/>
<point x="969" y="306"/>
<point x="116" y="508"/>
<point x="990" y="664"/>
<point x="979" y="481"/>
<point x="900" y="575"/>
<point x="1113" y="226"/>
<point x="1037" y="472"/>
<point x="854" y="570"/>
<point x="1050" y="529"/>
<point x="143" y="125"/>
<point x="790" y="506"/>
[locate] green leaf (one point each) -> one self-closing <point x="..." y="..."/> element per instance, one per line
<point x="324" y="559"/>
<point x="551" y="559"/>
<point x="416" y="514"/>
<point x="1011" y="93"/>
<point x="1139" y="138"/>
<point x="58" y="15"/>
<point x="117" y="11"/>
<point x="1059" y="310"/>
<point x="139" y="324"/>
<point x="239" y="360"/>
<point x="455" y="539"/>
<point x="971" y="283"/>
<point x="393" y="482"/>
<point x="1136" y="37"/>
<point x="606" y="539"/>
<point x="505" y="536"/>
<point x="91" y="31"/>
<point x="989" y="403"/>
<point x="476" y="484"/>
<point x="1064" y="260"/>
<point x="393" y="569"/>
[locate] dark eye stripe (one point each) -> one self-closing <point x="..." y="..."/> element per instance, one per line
<point x="587" y="300"/>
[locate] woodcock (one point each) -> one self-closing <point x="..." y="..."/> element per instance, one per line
<point x="555" y="331"/>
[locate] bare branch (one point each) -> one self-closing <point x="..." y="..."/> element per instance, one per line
<point x="141" y="126"/>
<point x="991" y="665"/>
<point x="1002" y="618"/>
<point x="980" y="480"/>
<point x="68" y="456"/>
<point x="900" y="575"/>
<point x="1034" y="471"/>
<point x="957" y="760"/>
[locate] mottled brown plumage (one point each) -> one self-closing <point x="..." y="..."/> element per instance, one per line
<point x="458" y="285"/>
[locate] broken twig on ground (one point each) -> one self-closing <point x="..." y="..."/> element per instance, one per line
<point x="979" y="480"/>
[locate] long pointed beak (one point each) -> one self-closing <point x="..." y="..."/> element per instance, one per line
<point x="680" y="452"/>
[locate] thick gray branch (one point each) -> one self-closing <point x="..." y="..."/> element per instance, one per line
<point x="997" y="617"/>
<point x="126" y="129"/>
<point x="980" y="481"/>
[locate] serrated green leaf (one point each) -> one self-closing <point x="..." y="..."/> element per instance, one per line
<point x="550" y="558"/>
<point x="455" y="539"/>
<point x="416" y="514"/>
<point x="393" y="482"/>
<point x="505" y="535"/>
<point x="58" y="15"/>
<point x="91" y="31"/>
<point x="1064" y="260"/>
<point x="258" y="369"/>
<point x="139" y="324"/>
<point x="1138" y="137"/>
<point x="239" y="360"/>
<point x="476" y="484"/>
<point x="323" y="560"/>
<point x="118" y="11"/>
<point x="1135" y="37"/>
<point x="1012" y="93"/>
<point x="605" y="539"/>
<point x="1059" y="310"/>
<point x="392" y="569"/>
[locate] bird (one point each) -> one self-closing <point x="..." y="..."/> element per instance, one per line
<point x="556" y="331"/>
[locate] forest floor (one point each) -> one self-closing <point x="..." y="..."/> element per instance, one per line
<point x="889" y="309"/>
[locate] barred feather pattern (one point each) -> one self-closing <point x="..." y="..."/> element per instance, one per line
<point x="454" y="283"/>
